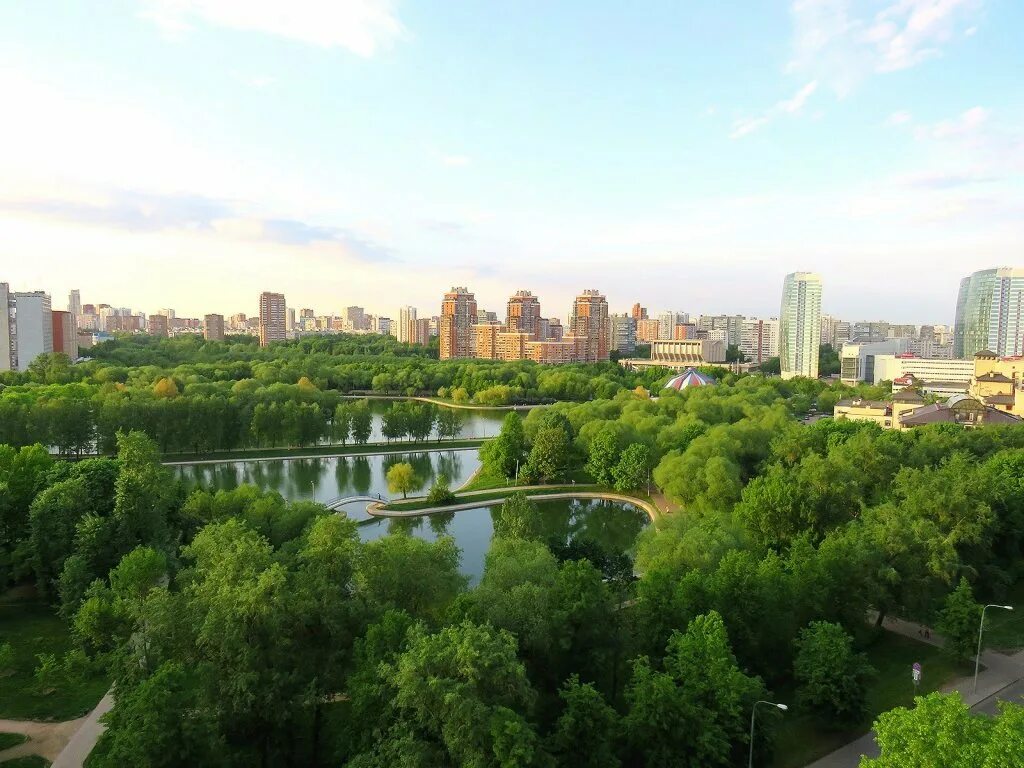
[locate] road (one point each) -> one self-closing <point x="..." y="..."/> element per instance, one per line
<point x="1002" y="679"/>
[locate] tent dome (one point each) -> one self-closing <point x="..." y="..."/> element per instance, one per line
<point x="691" y="377"/>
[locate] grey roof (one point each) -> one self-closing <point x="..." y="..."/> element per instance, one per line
<point x="995" y="377"/>
<point x="908" y="395"/>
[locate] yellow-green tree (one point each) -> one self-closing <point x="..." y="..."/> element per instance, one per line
<point x="402" y="479"/>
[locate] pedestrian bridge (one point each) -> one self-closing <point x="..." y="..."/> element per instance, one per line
<point x="341" y="501"/>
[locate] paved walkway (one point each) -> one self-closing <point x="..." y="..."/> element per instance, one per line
<point x="81" y="744"/>
<point x="999" y="680"/>
<point x="376" y="509"/>
<point x="46" y="739"/>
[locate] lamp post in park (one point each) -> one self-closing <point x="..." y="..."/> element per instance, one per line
<point x="981" y="629"/>
<point x="753" y="714"/>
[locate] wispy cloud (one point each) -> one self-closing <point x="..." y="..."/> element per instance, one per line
<point x="840" y="42"/>
<point x="360" y="26"/>
<point x="136" y="211"/>
<point x="966" y="124"/>
<point x="790" y="106"/>
<point x="899" y="117"/>
<point x="456" y="161"/>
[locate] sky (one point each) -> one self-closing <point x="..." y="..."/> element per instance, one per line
<point x="686" y="155"/>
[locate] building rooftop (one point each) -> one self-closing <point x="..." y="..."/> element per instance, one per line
<point x="908" y="396"/>
<point x="691" y="377"/>
<point x="997" y="378"/>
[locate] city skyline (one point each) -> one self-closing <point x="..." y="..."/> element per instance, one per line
<point x="690" y="156"/>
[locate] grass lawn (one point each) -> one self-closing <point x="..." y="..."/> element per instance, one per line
<point x="31" y="628"/>
<point x="1004" y="630"/>
<point x="8" y="740"/>
<point x="28" y="761"/>
<point x="800" y="740"/>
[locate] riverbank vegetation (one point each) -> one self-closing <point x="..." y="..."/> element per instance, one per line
<point x="243" y="629"/>
<point x="191" y="395"/>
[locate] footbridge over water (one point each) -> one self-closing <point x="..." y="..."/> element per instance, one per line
<point x="341" y="501"/>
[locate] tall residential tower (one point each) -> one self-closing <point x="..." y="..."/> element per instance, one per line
<point x="590" y="319"/>
<point x="990" y="313"/>
<point x="455" y="328"/>
<point x="800" y="325"/>
<point x="273" y="310"/>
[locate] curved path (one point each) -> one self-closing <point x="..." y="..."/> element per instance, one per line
<point x="376" y="509"/>
<point x="343" y="500"/>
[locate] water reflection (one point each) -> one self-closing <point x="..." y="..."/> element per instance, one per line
<point x="326" y="479"/>
<point x="571" y="528"/>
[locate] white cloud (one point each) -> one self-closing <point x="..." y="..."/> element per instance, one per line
<point x="746" y="126"/>
<point x="966" y="124"/>
<point x="791" y="106"/>
<point x="796" y="103"/>
<point x="899" y="117"/>
<point x="843" y="41"/>
<point x="360" y="26"/>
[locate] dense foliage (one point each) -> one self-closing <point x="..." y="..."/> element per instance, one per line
<point x="191" y="395"/>
<point x="243" y="629"/>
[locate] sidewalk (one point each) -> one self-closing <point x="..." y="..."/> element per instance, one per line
<point x="85" y="738"/>
<point x="999" y="674"/>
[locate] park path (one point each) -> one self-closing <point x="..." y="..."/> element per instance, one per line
<point x="46" y="739"/>
<point x="1001" y="674"/>
<point x="82" y="742"/>
<point x="376" y="509"/>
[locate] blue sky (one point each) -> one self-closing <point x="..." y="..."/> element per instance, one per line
<point x="191" y="153"/>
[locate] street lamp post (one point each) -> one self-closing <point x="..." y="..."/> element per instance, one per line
<point x="753" y="714"/>
<point x="981" y="629"/>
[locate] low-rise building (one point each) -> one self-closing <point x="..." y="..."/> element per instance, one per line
<point x="857" y="359"/>
<point x="680" y="354"/>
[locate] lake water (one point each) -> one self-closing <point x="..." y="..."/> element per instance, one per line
<point x="475" y="422"/>
<point x="612" y="525"/>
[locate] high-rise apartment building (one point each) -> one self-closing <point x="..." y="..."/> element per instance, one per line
<point x="157" y="325"/>
<point x="556" y="332"/>
<point x="65" y="335"/>
<point x="667" y="321"/>
<point x="357" y="319"/>
<point x="273" y="311"/>
<point x="524" y="314"/>
<point x="647" y="331"/>
<point x="800" y="325"/>
<point x="731" y="324"/>
<point x="420" y="331"/>
<point x="213" y="327"/>
<point x="8" y="331"/>
<point x="759" y="339"/>
<point x="75" y="304"/>
<point x="289" y="321"/>
<point x="34" y="320"/>
<point x="458" y="315"/>
<point x="590" y="318"/>
<point x="622" y="333"/>
<point x="990" y="313"/>
<point x="638" y="312"/>
<point x="406" y="321"/>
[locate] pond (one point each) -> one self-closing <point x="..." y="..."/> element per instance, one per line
<point x="612" y="526"/>
<point x="476" y="422"/>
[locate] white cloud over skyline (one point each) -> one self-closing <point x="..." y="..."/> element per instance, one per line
<point x="362" y="27"/>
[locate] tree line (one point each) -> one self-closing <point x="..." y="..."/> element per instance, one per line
<point x="302" y="645"/>
<point x="196" y="396"/>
